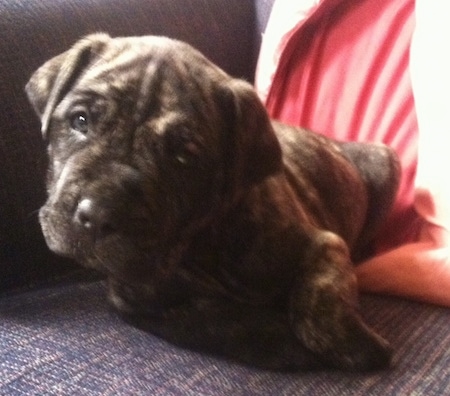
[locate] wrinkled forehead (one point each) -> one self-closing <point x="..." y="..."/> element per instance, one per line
<point x="153" y="73"/>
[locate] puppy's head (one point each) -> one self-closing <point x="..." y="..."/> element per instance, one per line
<point x="147" y="140"/>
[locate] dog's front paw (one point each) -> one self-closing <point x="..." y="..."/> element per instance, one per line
<point x="132" y="300"/>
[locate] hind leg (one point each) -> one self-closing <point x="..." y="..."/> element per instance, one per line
<point x="324" y="313"/>
<point x="379" y="167"/>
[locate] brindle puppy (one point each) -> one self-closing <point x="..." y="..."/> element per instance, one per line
<point x="217" y="229"/>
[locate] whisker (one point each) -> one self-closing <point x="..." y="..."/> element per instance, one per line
<point x="31" y="216"/>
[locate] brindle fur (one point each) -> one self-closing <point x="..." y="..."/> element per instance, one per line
<point x="217" y="228"/>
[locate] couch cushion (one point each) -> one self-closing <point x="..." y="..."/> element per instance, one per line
<point x="65" y="340"/>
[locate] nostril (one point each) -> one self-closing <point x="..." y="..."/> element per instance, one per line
<point x="85" y="213"/>
<point x="92" y="218"/>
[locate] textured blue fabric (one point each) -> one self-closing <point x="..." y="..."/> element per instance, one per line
<point x="66" y="341"/>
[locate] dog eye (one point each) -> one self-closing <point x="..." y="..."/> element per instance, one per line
<point x="79" y="122"/>
<point x="182" y="147"/>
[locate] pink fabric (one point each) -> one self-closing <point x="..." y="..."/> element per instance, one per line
<point x="344" y="72"/>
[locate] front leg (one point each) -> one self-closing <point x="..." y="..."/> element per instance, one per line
<point x="253" y="335"/>
<point x="135" y="300"/>
<point x="323" y="310"/>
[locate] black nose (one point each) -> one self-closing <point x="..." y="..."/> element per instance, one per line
<point x="93" y="218"/>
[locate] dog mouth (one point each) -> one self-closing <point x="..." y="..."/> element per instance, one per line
<point x="109" y="246"/>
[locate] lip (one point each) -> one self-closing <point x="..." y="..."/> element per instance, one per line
<point x="115" y="254"/>
<point x="60" y="235"/>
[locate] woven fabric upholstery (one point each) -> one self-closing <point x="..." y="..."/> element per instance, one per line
<point x="66" y="341"/>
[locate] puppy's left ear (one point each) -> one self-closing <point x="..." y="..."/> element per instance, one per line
<point x="49" y="83"/>
<point x="255" y="150"/>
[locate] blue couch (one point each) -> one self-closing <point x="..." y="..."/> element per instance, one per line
<point x="58" y="335"/>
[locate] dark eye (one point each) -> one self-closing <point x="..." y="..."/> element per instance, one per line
<point x="182" y="146"/>
<point x="79" y="122"/>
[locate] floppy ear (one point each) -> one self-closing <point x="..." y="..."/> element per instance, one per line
<point x="255" y="152"/>
<point x="49" y="83"/>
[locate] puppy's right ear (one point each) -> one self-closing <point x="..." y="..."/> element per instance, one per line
<point x="49" y="83"/>
<point x="254" y="149"/>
